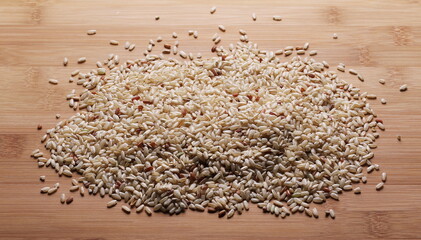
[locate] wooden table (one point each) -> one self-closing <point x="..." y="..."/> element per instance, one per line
<point x="380" y="39"/>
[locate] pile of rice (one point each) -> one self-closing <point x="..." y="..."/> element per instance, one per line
<point x="217" y="133"/>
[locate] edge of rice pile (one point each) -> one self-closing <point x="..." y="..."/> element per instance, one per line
<point x="217" y="133"/>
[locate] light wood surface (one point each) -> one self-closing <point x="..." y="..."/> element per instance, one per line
<point x="380" y="39"/>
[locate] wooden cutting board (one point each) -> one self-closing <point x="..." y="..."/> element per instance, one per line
<point x="380" y="39"/>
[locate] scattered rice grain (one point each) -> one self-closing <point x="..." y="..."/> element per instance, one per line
<point x="384" y="177"/>
<point x="222" y="28"/>
<point x="53" y="81"/>
<point x="277" y="18"/>
<point x="213" y="10"/>
<point x="81" y="60"/>
<point x="91" y="32"/>
<point x="383" y="101"/>
<point x="114" y="42"/>
<point x="403" y="88"/>
<point x="111" y="203"/>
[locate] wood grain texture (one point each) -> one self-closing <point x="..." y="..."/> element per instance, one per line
<point x="380" y="39"/>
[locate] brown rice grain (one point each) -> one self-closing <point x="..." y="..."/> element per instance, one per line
<point x="69" y="200"/>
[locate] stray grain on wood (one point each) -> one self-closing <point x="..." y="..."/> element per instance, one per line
<point x="53" y="81"/>
<point x="357" y="190"/>
<point x="182" y="54"/>
<point x="45" y="189"/>
<point x="371" y="96"/>
<point x="62" y="198"/>
<point x="91" y="32"/>
<point x="353" y="72"/>
<point x="81" y="60"/>
<point x="111" y="203"/>
<point x="213" y="10"/>
<point x="384" y="177"/>
<point x="222" y="28"/>
<point x="114" y="42"/>
<point x="383" y="101"/>
<point x="69" y="200"/>
<point x="379" y="186"/>
<point x="332" y="213"/>
<point x="277" y="18"/>
<point x="315" y="213"/>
